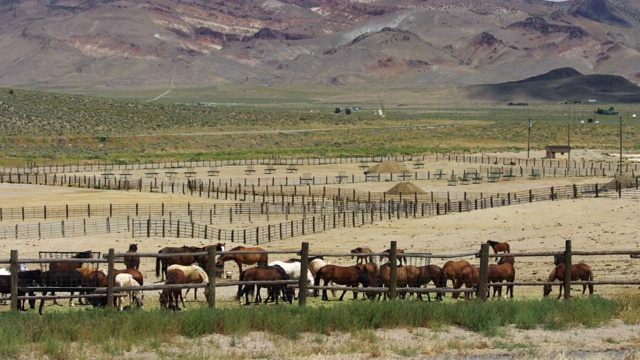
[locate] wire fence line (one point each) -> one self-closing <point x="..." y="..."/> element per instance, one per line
<point x="187" y="221"/>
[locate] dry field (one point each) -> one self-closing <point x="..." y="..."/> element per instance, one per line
<point x="591" y="224"/>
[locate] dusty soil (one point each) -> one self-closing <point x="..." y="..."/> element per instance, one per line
<point x="591" y="224"/>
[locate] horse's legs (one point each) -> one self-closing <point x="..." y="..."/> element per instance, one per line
<point x="181" y="300"/>
<point x="341" y="296"/>
<point x="560" y="294"/>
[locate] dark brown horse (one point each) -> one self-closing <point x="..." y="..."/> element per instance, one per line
<point x="405" y="276"/>
<point x="71" y="265"/>
<point x="362" y="255"/>
<point x="246" y="259"/>
<point x="183" y="255"/>
<point x="428" y="274"/>
<point x="132" y="261"/>
<point x="341" y="275"/>
<point x="469" y="276"/>
<point x="401" y="258"/>
<point x="503" y="271"/>
<point x="264" y="273"/>
<point x="169" y="297"/>
<point x="579" y="271"/>
<point x="371" y="270"/>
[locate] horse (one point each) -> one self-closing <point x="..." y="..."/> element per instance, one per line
<point x="71" y="265"/>
<point x="183" y="256"/>
<point x="246" y="259"/>
<point x="294" y="270"/>
<point x="469" y="276"/>
<point x="61" y="278"/>
<point x="7" y="269"/>
<point x="499" y="246"/>
<point x="137" y="275"/>
<point x="342" y="275"/>
<point x="362" y="258"/>
<point x="94" y="278"/>
<point x="169" y="297"/>
<point x="451" y="270"/>
<point x="264" y="273"/>
<point x="401" y="258"/>
<point x="427" y="274"/>
<point x="315" y="265"/>
<point x="405" y="276"/>
<point x="503" y="271"/>
<point x="193" y="274"/>
<point x="26" y="278"/>
<point x="370" y="269"/>
<point x="135" y="296"/>
<point x="132" y="261"/>
<point x="579" y="271"/>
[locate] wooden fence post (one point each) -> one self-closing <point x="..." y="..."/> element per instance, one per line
<point x="567" y="270"/>
<point x="211" y="272"/>
<point x="484" y="268"/>
<point x="393" y="276"/>
<point x="304" y="264"/>
<point x="14" y="268"/>
<point x="111" y="279"/>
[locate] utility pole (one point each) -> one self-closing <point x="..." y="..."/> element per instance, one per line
<point x="528" y="137"/>
<point x="568" y="145"/>
<point x="620" y="169"/>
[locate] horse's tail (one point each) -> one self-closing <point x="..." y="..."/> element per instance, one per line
<point x="239" y="293"/>
<point x="158" y="266"/>
<point x="364" y="279"/>
<point x="316" y="279"/>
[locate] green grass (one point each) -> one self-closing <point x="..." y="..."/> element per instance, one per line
<point x="49" y="127"/>
<point x="117" y="332"/>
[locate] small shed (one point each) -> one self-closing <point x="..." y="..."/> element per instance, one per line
<point x="553" y="150"/>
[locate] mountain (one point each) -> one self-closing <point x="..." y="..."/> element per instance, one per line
<point x="565" y="84"/>
<point x="406" y="45"/>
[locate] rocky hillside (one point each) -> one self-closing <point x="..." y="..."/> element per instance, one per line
<point x="105" y="45"/>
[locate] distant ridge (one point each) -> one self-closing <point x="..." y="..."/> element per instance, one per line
<point x="560" y="85"/>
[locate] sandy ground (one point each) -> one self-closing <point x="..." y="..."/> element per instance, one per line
<point x="591" y="224"/>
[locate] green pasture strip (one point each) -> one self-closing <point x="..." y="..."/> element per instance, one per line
<point x="18" y="329"/>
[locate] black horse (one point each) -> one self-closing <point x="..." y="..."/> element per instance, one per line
<point x="61" y="278"/>
<point x="29" y="278"/>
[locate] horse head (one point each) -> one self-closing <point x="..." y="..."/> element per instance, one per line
<point x="133" y="247"/>
<point x="547" y="290"/>
<point x="83" y="255"/>
<point x="558" y="259"/>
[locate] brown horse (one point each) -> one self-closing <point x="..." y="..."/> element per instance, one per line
<point x="400" y="258"/>
<point x="361" y="254"/>
<point x="341" y="275"/>
<point x="169" y="297"/>
<point x="132" y="261"/>
<point x="137" y="275"/>
<point x="579" y="271"/>
<point x="246" y="259"/>
<point x="499" y="246"/>
<point x="469" y="276"/>
<point x="405" y="276"/>
<point x="427" y="274"/>
<point x="183" y="256"/>
<point x="264" y="273"/>
<point x="503" y="271"/>
<point x="71" y="265"/>
<point x="371" y="270"/>
<point x="451" y="270"/>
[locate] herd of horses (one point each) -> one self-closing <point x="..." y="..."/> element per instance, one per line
<point x="185" y="265"/>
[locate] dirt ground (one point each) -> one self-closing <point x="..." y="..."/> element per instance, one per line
<point x="591" y="224"/>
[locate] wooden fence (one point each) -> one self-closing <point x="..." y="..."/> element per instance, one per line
<point x="481" y="290"/>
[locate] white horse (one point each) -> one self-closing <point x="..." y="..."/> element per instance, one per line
<point x="7" y="269"/>
<point x="294" y="270"/>
<point x="135" y="296"/>
<point x="194" y="274"/>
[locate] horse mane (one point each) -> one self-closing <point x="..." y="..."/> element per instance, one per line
<point x="492" y="243"/>
<point x="281" y="271"/>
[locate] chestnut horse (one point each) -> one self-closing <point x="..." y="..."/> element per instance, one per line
<point x="341" y="275"/>
<point x="503" y="271"/>
<point x="169" y="297"/>
<point x="499" y="246"/>
<point x="400" y="258"/>
<point x="405" y="276"/>
<point x="132" y="261"/>
<point x="246" y="259"/>
<point x="71" y="265"/>
<point x="427" y="274"/>
<point x="579" y="271"/>
<point x="469" y="276"/>
<point x="451" y="270"/>
<point x="183" y="256"/>
<point x="362" y="258"/>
